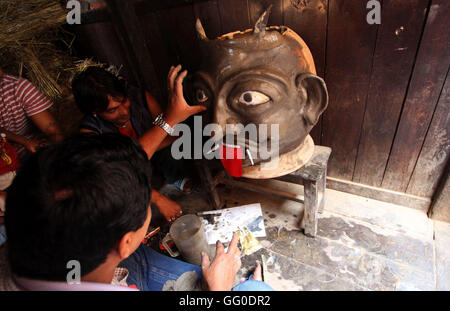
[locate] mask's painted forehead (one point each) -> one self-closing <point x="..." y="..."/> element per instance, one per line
<point x="279" y="48"/>
<point x="272" y="37"/>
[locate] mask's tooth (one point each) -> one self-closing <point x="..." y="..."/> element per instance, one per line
<point x="213" y="149"/>
<point x="250" y="156"/>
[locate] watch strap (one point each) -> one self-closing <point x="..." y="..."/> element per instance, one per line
<point x="159" y="121"/>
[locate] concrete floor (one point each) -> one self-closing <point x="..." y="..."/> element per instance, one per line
<point x="362" y="244"/>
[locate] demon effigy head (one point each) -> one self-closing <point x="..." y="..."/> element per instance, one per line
<point x="264" y="75"/>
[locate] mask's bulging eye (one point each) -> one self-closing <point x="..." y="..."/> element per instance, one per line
<point x="253" y="98"/>
<point x="200" y="95"/>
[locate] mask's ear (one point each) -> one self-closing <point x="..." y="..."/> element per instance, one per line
<point x="315" y="92"/>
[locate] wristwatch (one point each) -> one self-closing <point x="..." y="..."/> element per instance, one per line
<point x="159" y="121"/>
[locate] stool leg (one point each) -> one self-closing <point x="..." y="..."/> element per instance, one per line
<point x="209" y="185"/>
<point x="322" y="186"/>
<point x="311" y="208"/>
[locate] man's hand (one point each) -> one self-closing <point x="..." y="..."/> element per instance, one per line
<point x="220" y="274"/>
<point x="178" y="109"/>
<point x="30" y="144"/>
<point x="33" y="144"/>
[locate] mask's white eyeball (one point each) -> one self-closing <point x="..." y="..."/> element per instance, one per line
<point x="253" y="98"/>
<point x="200" y="96"/>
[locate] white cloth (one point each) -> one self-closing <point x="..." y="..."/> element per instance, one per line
<point x="5" y="181"/>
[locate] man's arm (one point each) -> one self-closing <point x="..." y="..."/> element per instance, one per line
<point x="177" y="111"/>
<point x="153" y="105"/>
<point x="87" y="131"/>
<point x="155" y="109"/>
<point x="30" y="145"/>
<point x="48" y="125"/>
<point x="151" y="140"/>
<point x="167" y="142"/>
<point x="13" y="137"/>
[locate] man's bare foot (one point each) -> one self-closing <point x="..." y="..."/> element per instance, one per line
<point x="170" y="209"/>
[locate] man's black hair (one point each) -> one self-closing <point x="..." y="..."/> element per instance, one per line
<point x="74" y="201"/>
<point x="91" y="88"/>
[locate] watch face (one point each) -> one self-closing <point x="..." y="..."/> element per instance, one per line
<point x="158" y="119"/>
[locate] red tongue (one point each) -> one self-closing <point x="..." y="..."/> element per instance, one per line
<point x="231" y="157"/>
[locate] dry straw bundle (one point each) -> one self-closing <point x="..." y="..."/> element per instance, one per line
<point x="23" y="20"/>
<point x="33" y="44"/>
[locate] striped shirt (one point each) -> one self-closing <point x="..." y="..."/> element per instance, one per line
<point x="19" y="100"/>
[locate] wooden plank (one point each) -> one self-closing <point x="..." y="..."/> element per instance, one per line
<point x="208" y="12"/>
<point x="262" y="189"/>
<point x="167" y="30"/>
<point x="380" y="194"/>
<point x="158" y="52"/>
<point x="309" y="20"/>
<point x="440" y="209"/>
<point x="100" y="40"/>
<point x="124" y="16"/>
<point x="397" y="42"/>
<point x="257" y="7"/>
<point x="146" y="7"/>
<point x="234" y="15"/>
<point x="316" y="167"/>
<point x="436" y="149"/>
<point x="178" y="29"/>
<point x="310" y="23"/>
<point x="426" y="83"/>
<point x="186" y="35"/>
<point x="314" y="170"/>
<point x="95" y="16"/>
<point x="350" y="47"/>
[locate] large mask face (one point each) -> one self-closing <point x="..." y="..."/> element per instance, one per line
<point x="264" y="75"/>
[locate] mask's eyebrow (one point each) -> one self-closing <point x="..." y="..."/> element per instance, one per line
<point x="260" y="74"/>
<point x="205" y="77"/>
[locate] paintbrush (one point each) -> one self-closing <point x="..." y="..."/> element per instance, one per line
<point x="150" y="234"/>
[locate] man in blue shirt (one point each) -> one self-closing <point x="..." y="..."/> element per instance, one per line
<point x="110" y="106"/>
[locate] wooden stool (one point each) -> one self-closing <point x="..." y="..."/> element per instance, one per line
<point x="312" y="175"/>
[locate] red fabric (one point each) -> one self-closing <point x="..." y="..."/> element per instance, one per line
<point x="231" y="158"/>
<point x="126" y="133"/>
<point x="6" y="149"/>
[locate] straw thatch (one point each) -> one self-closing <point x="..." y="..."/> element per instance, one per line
<point x="33" y="44"/>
